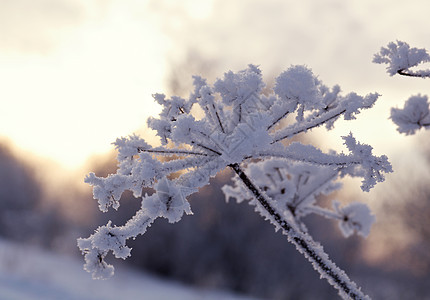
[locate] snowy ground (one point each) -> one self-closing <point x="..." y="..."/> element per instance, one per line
<point x="29" y="273"/>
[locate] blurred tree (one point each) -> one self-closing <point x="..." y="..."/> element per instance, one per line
<point x="23" y="215"/>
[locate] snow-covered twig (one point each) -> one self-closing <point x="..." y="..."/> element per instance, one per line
<point x="303" y="242"/>
<point x="400" y="58"/>
<point x="413" y="116"/>
<point x="241" y="129"/>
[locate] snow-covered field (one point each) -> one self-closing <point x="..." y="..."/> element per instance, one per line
<point x="28" y="273"/>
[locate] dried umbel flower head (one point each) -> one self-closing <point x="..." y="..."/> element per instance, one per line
<point x="242" y="129"/>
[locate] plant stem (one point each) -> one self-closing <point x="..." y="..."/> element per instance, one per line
<point x="305" y="244"/>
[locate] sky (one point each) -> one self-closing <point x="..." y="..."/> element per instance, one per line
<point x="75" y="74"/>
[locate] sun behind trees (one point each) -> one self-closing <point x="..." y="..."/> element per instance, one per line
<point x="244" y="130"/>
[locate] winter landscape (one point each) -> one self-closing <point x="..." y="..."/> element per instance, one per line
<point x="151" y="151"/>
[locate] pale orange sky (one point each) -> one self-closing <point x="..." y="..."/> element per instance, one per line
<point x="75" y="75"/>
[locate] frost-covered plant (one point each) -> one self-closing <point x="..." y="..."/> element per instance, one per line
<point x="413" y="116"/>
<point x="294" y="186"/>
<point x="400" y="58"/>
<point x="242" y="129"/>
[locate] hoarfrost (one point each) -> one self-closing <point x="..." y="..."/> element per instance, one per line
<point x="242" y="129"/>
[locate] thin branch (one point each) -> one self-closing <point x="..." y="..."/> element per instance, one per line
<point x="180" y="164"/>
<point x="328" y="160"/>
<point x="312" y="191"/>
<point x="324" y="212"/>
<point x="171" y="151"/>
<point x="305" y="126"/>
<point x="305" y="244"/>
<point x="205" y="147"/>
<point x="184" y="152"/>
<point x="279" y="174"/>
<point x="218" y="118"/>
<point x="406" y="72"/>
<point x="278" y="120"/>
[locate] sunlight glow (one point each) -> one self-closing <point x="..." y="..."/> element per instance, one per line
<point x="94" y="86"/>
<point x="76" y="75"/>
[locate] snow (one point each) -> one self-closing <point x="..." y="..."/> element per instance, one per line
<point x="29" y="273"/>
<point x="400" y="57"/>
<point x="355" y="217"/>
<point x="300" y="85"/>
<point x="413" y="116"/>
